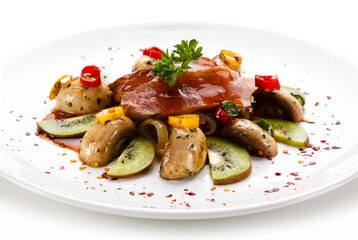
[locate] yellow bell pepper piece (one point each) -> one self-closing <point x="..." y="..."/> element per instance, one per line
<point x="230" y="58"/>
<point x="57" y="86"/>
<point x="110" y="114"/>
<point x="184" y="121"/>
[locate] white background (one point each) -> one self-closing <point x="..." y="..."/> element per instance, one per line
<point x="331" y="25"/>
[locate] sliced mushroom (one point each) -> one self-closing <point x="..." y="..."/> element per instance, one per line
<point x="277" y="104"/>
<point x="184" y="154"/>
<point x="252" y="137"/>
<point x="104" y="142"/>
<point x="78" y="99"/>
<point x="142" y="62"/>
<point x="207" y="123"/>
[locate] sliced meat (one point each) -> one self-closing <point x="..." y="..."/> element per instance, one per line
<point x="204" y="87"/>
<point x="117" y="85"/>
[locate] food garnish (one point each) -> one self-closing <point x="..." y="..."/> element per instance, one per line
<point x="110" y="114"/>
<point x="153" y="52"/>
<point x="267" y="82"/>
<point x="224" y="117"/>
<point x="57" y="86"/>
<point x="230" y="58"/>
<point x="265" y="125"/>
<point x="172" y="66"/>
<point x="91" y="76"/>
<point x="230" y="108"/>
<point x="184" y="121"/>
<point x="226" y="112"/>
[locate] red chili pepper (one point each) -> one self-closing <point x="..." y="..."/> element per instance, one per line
<point x="224" y="117"/>
<point x="91" y="76"/>
<point x="267" y="82"/>
<point x="153" y="52"/>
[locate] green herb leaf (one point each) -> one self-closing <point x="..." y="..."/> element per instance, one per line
<point x="230" y="108"/>
<point x="265" y="125"/>
<point x="172" y="66"/>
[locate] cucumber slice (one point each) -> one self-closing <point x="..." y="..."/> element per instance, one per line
<point x="289" y="133"/>
<point x="66" y="128"/>
<point x="229" y="162"/>
<point x="137" y="156"/>
<point x="295" y="93"/>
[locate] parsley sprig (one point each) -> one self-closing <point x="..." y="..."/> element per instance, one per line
<point x="172" y="66"/>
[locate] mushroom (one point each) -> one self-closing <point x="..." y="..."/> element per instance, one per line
<point x="104" y="141"/>
<point x="207" y="123"/>
<point x="252" y="137"/>
<point x="277" y="104"/>
<point x="184" y="154"/>
<point x="78" y="99"/>
<point x="142" y="62"/>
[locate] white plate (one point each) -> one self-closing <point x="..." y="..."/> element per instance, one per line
<point x="44" y="168"/>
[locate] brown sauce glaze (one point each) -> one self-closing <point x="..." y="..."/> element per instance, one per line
<point x="58" y="115"/>
<point x="144" y="95"/>
<point x="68" y="143"/>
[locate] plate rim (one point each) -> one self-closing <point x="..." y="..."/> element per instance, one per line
<point x="177" y="214"/>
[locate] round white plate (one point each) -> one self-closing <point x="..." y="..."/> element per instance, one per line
<point x="46" y="169"/>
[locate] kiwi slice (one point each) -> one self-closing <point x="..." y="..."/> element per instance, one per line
<point x="229" y="162"/>
<point x="289" y="133"/>
<point x="295" y="93"/>
<point x="66" y="128"/>
<point x="137" y="156"/>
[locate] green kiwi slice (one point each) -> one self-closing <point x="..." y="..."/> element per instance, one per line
<point x="69" y="127"/>
<point x="295" y="93"/>
<point x="289" y="133"/>
<point x="229" y="162"/>
<point x="137" y="156"/>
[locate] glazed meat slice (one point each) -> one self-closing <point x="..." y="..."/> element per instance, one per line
<point x="205" y="86"/>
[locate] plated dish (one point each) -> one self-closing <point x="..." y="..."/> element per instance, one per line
<point x="293" y="175"/>
<point x="134" y="120"/>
